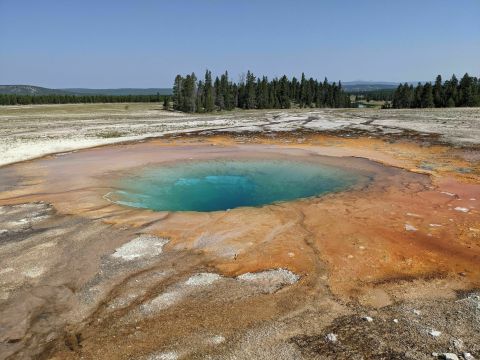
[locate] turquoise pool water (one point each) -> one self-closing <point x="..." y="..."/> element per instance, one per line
<point x="227" y="184"/>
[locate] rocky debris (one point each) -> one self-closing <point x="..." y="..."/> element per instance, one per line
<point x="406" y="339"/>
<point x="367" y="319"/>
<point x="143" y="246"/>
<point x="468" y="356"/>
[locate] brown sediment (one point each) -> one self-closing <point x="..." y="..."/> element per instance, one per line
<point x="352" y="246"/>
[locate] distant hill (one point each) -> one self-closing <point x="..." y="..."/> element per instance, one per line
<point x="37" y="90"/>
<point x="363" y="86"/>
<point x="29" y="90"/>
<point x="349" y="86"/>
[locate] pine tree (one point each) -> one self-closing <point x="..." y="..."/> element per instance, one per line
<point x="225" y="91"/>
<point x="417" y="97"/>
<point x="200" y="97"/>
<point x="189" y="93"/>
<point x="250" y="91"/>
<point x="438" y="94"/>
<point x="177" y="93"/>
<point x="427" y="96"/>
<point x="284" y="93"/>
<point x="262" y="93"/>
<point x="209" y="101"/>
<point x="303" y="91"/>
<point x="466" y="91"/>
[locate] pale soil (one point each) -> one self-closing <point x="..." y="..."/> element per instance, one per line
<point x="82" y="278"/>
<point x="27" y="132"/>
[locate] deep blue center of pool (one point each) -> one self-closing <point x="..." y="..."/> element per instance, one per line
<point x="227" y="184"/>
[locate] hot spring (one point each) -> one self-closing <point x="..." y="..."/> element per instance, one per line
<point x="212" y="185"/>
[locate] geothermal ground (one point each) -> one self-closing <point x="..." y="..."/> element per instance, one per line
<point x="385" y="270"/>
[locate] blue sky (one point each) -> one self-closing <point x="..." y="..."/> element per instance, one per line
<point x="145" y="43"/>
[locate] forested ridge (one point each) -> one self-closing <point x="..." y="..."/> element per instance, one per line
<point x="207" y="95"/>
<point x="451" y="93"/>
<point x="14" y="99"/>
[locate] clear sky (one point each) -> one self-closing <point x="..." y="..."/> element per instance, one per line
<point x="145" y="43"/>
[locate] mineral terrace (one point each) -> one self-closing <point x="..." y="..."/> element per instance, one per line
<point x="385" y="271"/>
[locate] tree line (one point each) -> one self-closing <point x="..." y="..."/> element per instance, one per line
<point x="451" y="93"/>
<point x="377" y="95"/>
<point x="207" y="95"/>
<point x="14" y="99"/>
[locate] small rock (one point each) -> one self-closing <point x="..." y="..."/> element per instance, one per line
<point x="367" y="318"/>
<point x="447" y="193"/>
<point x="409" y="227"/>
<point x="331" y="338"/>
<point x="462" y="209"/>
<point x="417" y="312"/>
<point x="395" y="321"/>
<point x="468" y="356"/>
<point x="449" y="356"/>
<point x="413" y="215"/>
<point x="434" y="333"/>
